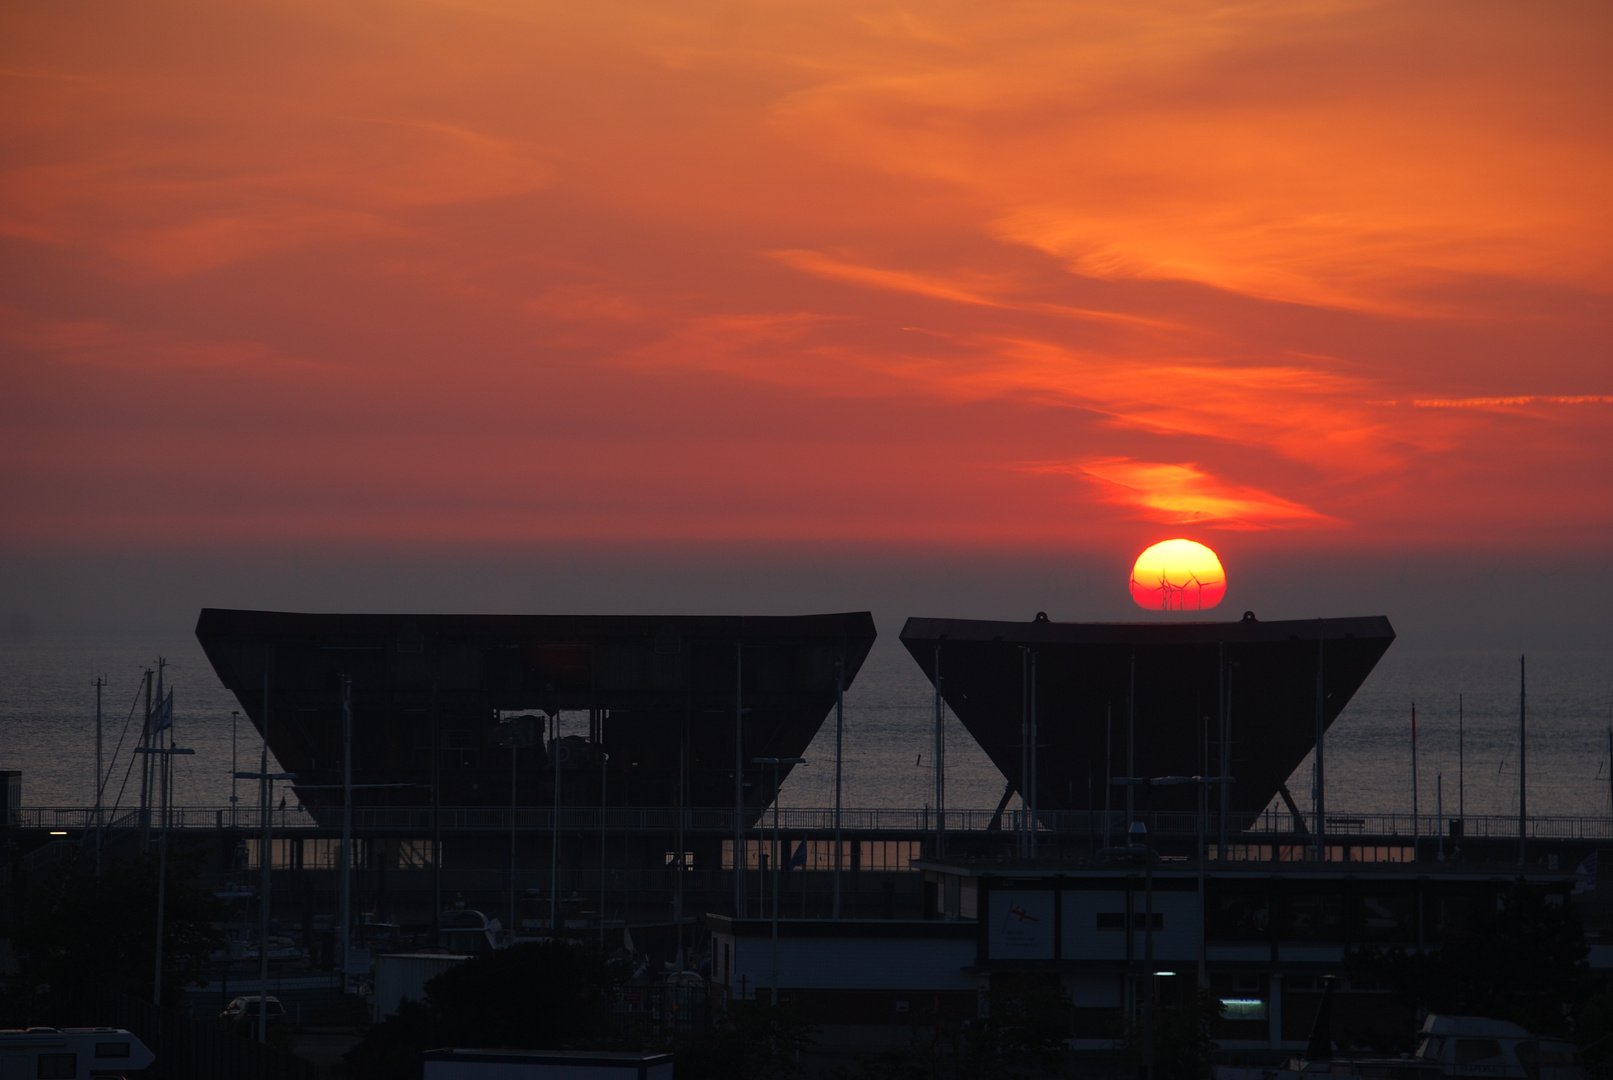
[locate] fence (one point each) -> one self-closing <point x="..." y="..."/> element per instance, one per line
<point x="418" y="820"/>
<point x="666" y="1015"/>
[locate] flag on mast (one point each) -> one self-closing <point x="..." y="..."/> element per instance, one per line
<point x="162" y="717"/>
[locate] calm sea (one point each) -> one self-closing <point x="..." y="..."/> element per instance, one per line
<point x="47" y="730"/>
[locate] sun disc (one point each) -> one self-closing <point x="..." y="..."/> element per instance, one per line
<point x="1178" y="575"/>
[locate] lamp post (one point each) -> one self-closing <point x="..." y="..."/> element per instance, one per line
<point x="839" y="732"/>
<point x="165" y="812"/>
<point x="266" y="781"/>
<point x="235" y="723"/>
<point x="776" y="762"/>
<point x="1139" y="842"/>
<point x="1203" y="783"/>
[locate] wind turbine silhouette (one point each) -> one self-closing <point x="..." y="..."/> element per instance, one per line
<point x="1198" y="591"/>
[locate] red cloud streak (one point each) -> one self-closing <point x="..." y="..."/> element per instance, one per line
<point x="1008" y="276"/>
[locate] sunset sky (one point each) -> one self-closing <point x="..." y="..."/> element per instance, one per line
<point x="1010" y="276"/>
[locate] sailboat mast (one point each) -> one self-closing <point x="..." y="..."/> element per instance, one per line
<point x="145" y="771"/>
<point x="265" y="862"/>
<point x="100" y="681"/>
<point x="1414" y="829"/>
<point x="1461" y="764"/>
<point x="1523" y="796"/>
<point x="1321" y="744"/>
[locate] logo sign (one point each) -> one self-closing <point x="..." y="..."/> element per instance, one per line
<point x="1021" y="925"/>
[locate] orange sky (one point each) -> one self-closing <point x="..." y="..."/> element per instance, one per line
<point x="1007" y="274"/>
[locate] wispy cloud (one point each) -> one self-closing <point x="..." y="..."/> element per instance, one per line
<point x="833" y="263"/>
<point x="1272" y="150"/>
<point x="106" y="344"/>
<point x="1508" y="402"/>
<point x="984" y="290"/>
<point x="1185" y="494"/>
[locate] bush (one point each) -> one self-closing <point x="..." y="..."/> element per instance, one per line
<point x="529" y="997"/>
<point x="1524" y="962"/>
<point x="751" y="1040"/>
<point x="81" y="931"/>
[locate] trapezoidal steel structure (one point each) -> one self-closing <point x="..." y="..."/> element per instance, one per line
<point x="433" y="698"/>
<point x="1167" y="686"/>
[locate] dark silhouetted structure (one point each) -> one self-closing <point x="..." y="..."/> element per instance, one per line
<point x="661" y="695"/>
<point x="1178" y="679"/>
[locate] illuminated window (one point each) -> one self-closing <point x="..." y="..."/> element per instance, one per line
<point x="1243" y="1008"/>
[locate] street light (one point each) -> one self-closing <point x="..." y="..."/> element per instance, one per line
<point x="1203" y="783"/>
<point x="1139" y="847"/>
<point x="266" y="781"/>
<point x="167" y="754"/>
<point x="775" y="762"/>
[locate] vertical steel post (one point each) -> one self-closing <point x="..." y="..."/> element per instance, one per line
<point x="778" y="858"/>
<point x="515" y="751"/>
<point x="99" y="783"/>
<point x="683" y="794"/>
<point x="1415" y="830"/>
<point x="1108" y="765"/>
<point x="554" y="835"/>
<point x="1224" y="738"/>
<point x="162" y="866"/>
<point x="98" y="751"/>
<point x="1131" y="743"/>
<point x="265" y="859"/>
<point x="1439" y="811"/>
<point x="145" y="773"/>
<point x="1523" y="763"/>
<point x="1321" y="741"/>
<point x="1148" y="963"/>
<point x="940" y="763"/>
<point x="436" y="815"/>
<point x="1204" y="853"/>
<point x="1030" y="823"/>
<point x="739" y="780"/>
<point x="1020" y="835"/>
<point x="840" y="730"/>
<point x="347" y="833"/>
<point x="235" y="723"/>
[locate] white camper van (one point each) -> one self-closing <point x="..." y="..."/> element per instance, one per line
<point x="71" y="1053"/>
<point x="1478" y="1046"/>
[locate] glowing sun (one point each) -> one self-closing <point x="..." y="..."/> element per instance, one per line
<point x="1178" y="575"/>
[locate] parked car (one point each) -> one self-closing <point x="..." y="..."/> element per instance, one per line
<point x="243" y="1012"/>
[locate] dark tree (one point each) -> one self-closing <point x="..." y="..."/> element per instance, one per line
<point x="1182" y="1044"/>
<point x="750" y="1040"/>
<point x="1523" y="961"/>
<point x="528" y="997"/>
<point x="1027" y="1021"/>
<point x="81" y="932"/>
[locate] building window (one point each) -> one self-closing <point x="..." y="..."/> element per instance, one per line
<point x="1116" y="920"/>
<point x="1243" y="1008"/>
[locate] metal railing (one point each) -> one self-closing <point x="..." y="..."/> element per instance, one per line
<point x="1342" y="827"/>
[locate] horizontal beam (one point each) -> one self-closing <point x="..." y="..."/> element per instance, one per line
<point x="1267" y="827"/>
